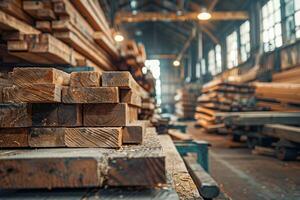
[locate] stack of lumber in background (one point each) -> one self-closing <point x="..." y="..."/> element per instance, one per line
<point x="73" y="33"/>
<point x="223" y="97"/>
<point x="148" y="108"/>
<point x="267" y="129"/>
<point x="75" y="130"/>
<point x="282" y="94"/>
<point x="186" y="101"/>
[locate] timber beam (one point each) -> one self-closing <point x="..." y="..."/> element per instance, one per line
<point x="128" y="17"/>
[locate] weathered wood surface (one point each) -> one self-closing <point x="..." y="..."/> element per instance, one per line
<point x="106" y="115"/>
<point x="14" y="137"/>
<point x="134" y="165"/>
<point x="134" y="133"/>
<point x="207" y="186"/>
<point x="130" y="97"/>
<point x="37" y="93"/>
<point x="85" y="79"/>
<point x="37" y="75"/>
<point x="59" y="115"/>
<point x="181" y="179"/>
<point x="76" y="137"/>
<point x="124" y="80"/>
<point x="165" y="193"/>
<point x="15" y="115"/>
<point x="90" y="95"/>
<point x="284" y="92"/>
<point x="290" y="133"/>
<point x="260" y="118"/>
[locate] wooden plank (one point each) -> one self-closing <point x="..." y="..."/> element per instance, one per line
<point x="84" y="167"/>
<point x="260" y="118"/>
<point x="182" y="181"/>
<point x="76" y="137"/>
<point x="56" y="115"/>
<point x="14" y="137"/>
<point x="14" y="8"/>
<point x="8" y="22"/>
<point x="44" y="26"/>
<point x="37" y="93"/>
<point x="106" y="115"/>
<point x="119" y="79"/>
<point x="38" y="75"/>
<point x="134" y="133"/>
<point x="85" y="79"/>
<point x="207" y="186"/>
<point x="289" y="133"/>
<point x="130" y="97"/>
<point x="15" y="115"/>
<point x="90" y="95"/>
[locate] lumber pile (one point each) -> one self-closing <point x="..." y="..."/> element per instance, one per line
<point x="73" y="33"/>
<point x="223" y="97"/>
<point x="82" y="126"/>
<point x="186" y="101"/>
<point x="147" y="108"/>
<point x="278" y="96"/>
<point x="133" y="54"/>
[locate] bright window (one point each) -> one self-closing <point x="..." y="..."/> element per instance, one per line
<point x="271" y="25"/>
<point x="154" y="67"/>
<point x="218" y="59"/>
<point x="232" y="50"/>
<point x="215" y="60"/>
<point x="292" y="19"/>
<point x="212" y="62"/>
<point x="245" y="40"/>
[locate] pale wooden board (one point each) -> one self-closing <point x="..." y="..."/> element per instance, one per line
<point x="90" y="95"/>
<point x="76" y="137"/>
<point x="37" y="93"/>
<point x="85" y="167"/>
<point x="182" y="181"/>
<point x="85" y="79"/>
<point x="37" y="75"/>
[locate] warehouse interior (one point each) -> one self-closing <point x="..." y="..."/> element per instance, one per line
<point x="150" y="99"/>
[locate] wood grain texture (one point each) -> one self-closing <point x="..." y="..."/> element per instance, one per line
<point x="37" y="93"/>
<point x="130" y="97"/>
<point x="85" y="79"/>
<point x="15" y="115"/>
<point x="53" y="114"/>
<point x="106" y="115"/>
<point x="14" y="137"/>
<point x="182" y="181"/>
<point x="76" y="137"/>
<point x="93" y="137"/>
<point x="37" y="75"/>
<point x="90" y="95"/>
<point x="84" y="167"/>
<point x="126" y="171"/>
<point x="47" y="172"/>
<point x="134" y="133"/>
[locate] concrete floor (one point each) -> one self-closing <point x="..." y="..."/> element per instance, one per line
<point x="244" y="176"/>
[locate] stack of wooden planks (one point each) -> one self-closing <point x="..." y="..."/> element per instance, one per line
<point x="147" y="108"/>
<point x="278" y="96"/>
<point x="223" y="97"/>
<point x="67" y="32"/>
<point x="186" y="101"/>
<point x="77" y="130"/>
<point x="133" y="54"/>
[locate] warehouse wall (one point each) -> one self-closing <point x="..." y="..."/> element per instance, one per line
<point x="270" y="61"/>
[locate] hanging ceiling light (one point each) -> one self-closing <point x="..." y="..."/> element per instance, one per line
<point x="118" y="37"/>
<point x="176" y="63"/>
<point x="204" y="15"/>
